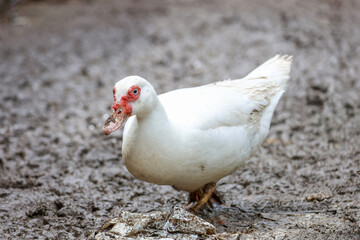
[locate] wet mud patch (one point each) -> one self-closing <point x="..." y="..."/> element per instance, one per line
<point x="62" y="178"/>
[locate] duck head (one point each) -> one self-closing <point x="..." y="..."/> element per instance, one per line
<point x="133" y="95"/>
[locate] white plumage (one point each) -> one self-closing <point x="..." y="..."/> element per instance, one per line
<point x="190" y="137"/>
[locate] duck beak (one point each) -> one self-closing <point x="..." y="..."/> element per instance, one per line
<point x="115" y="121"/>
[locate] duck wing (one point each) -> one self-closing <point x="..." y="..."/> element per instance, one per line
<point x="247" y="102"/>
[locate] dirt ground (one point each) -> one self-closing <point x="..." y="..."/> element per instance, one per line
<point x="62" y="178"/>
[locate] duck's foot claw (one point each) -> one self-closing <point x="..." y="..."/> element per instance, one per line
<point x="204" y="195"/>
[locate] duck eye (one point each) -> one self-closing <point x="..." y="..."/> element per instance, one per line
<point x="135" y="91"/>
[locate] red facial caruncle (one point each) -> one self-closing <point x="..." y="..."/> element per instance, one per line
<point x="132" y="95"/>
<point x="114" y="89"/>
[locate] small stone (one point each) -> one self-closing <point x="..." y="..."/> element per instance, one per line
<point x="318" y="197"/>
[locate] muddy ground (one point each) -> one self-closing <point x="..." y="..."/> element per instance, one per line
<point x="62" y="178"/>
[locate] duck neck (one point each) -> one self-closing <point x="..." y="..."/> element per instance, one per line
<point x="157" y="117"/>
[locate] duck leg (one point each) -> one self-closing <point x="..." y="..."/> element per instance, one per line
<point x="204" y="195"/>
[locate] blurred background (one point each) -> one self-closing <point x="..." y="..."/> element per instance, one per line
<point x="61" y="178"/>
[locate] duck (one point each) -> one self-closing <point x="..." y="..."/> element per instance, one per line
<point x="191" y="138"/>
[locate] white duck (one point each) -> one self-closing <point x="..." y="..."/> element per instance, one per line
<point x="191" y="138"/>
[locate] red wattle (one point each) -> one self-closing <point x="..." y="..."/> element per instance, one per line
<point x="126" y="99"/>
<point x="116" y="106"/>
